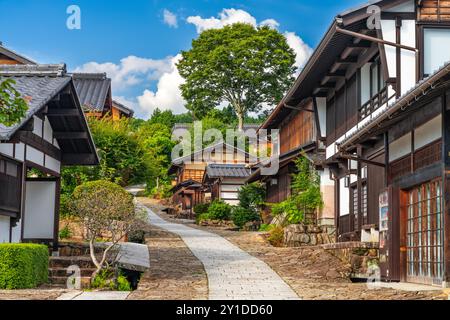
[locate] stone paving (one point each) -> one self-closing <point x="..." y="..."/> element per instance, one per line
<point x="233" y="274"/>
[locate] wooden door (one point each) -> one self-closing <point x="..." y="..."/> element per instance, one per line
<point x="424" y="234"/>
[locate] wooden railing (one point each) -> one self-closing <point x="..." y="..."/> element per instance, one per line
<point x="374" y="103"/>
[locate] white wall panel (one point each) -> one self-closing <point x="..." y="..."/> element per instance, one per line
<point x="35" y="156"/>
<point x="7" y="149"/>
<point x="16" y="233"/>
<point x="408" y="58"/>
<point x="428" y="132"/>
<point x="20" y="151"/>
<point x="388" y="29"/>
<point x="37" y="130"/>
<point x="322" y="109"/>
<point x="39" y="210"/>
<point x="344" y="198"/>
<point x="48" y="131"/>
<point x="4" y="229"/>
<point x="52" y="164"/>
<point x="400" y="147"/>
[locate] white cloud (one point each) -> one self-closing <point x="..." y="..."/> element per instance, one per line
<point x="230" y="16"/>
<point x="302" y="50"/>
<point x="226" y="17"/>
<point x="170" y="19"/>
<point x="131" y="71"/>
<point x="272" y="23"/>
<point x="168" y="94"/>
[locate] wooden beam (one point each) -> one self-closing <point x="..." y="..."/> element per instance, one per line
<point x="63" y="112"/>
<point x="70" y="135"/>
<point x="70" y="159"/>
<point x="350" y="157"/>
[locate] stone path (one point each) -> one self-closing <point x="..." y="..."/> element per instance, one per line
<point x="95" y="295"/>
<point x="232" y="273"/>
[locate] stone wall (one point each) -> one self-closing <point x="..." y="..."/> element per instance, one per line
<point x="361" y="256"/>
<point x="299" y="235"/>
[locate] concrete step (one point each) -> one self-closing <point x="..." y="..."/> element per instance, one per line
<point x="62" y="281"/>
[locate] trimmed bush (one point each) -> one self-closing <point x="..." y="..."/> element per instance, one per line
<point x="243" y="215"/>
<point x="23" y="266"/>
<point x="219" y="210"/>
<point x="201" y="208"/>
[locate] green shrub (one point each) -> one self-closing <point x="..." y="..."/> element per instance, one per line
<point x="243" y="215"/>
<point x="201" y="208"/>
<point x="252" y="195"/>
<point x="105" y="280"/>
<point x="65" y="233"/>
<point x="266" y="227"/>
<point x="219" y="210"/>
<point x="201" y="217"/>
<point x="276" y="236"/>
<point x="23" y="266"/>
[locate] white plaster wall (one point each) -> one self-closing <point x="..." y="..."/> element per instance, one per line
<point x="37" y="130"/>
<point x="322" y="110"/>
<point x="52" y="164"/>
<point x="16" y="232"/>
<point x="39" y="210"/>
<point x="35" y="155"/>
<point x="365" y="83"/>
<point x="20" y="151"/>
<point x="400" y="147"/>
<point x="428" y="132"/>
<point x="4" y="229"/>
<point x="344" y="198"/>
<point x="388" y="29"/>
<point x="7" y="149"/>
<point x="48" y="131"/>
<point x="408" y="58"/>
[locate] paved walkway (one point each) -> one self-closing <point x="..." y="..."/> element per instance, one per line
<point x="95" y="295"/>
<point x="233" y="274"/>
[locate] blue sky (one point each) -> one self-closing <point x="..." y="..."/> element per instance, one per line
<point x="137" y="41"/>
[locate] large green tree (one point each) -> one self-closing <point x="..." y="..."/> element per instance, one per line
<point x="12" y="106"/>
<point x="239" y="64"/>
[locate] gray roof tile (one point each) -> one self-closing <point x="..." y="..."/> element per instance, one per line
<point x="228" y="171"/>
<point x="92" y="89"/>
<point x="37" y="84"/>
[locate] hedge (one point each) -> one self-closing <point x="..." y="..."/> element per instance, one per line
<point x="23" y="266"/>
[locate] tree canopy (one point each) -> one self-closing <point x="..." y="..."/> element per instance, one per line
<point x="12" y="106"/>
<point x="239" y="64"/>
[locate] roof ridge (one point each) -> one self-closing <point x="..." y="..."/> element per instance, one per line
<point x="91" y="76"/>
<point x="54" y="70"/>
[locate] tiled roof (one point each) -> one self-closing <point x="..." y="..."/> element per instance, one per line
<point x="37" y="84"/>
<point x="14" y="55"/>
<point x="92" y="89"/>
<point x="228" y="171"/>
<point x="123" y="108"/>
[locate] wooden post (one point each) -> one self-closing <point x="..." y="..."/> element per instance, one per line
<point x="446" y="187"/>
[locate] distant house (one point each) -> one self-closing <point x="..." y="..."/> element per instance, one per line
<point x="95" y="93"/>
<point x="225" y="180"/>
<point x="53" y="133"/>
<point x="190" y="171"/>
<point x="9" y="57"/>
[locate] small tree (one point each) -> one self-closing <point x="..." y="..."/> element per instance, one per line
<point x="12" y="106"/>
<point x="104" y="207"/>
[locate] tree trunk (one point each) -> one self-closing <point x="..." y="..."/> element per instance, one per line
<point x="241" y="121"/>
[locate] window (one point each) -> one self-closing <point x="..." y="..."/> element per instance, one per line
<point x="436" y="49"/>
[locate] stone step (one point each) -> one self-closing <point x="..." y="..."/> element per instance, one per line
<point x="64" y="262"/>
<point x="62" y="272"/>
<point x="62" y="281"/>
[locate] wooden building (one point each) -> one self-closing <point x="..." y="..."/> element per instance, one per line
<point x="300" y="133"/>
<point x="189" y="172"/>
<point x="95" y="93"/>
<point x="225" y="180"/>
<point x="9" y="57"/>
<point x="380" y="93"/>
<point x="53" y="133"/>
